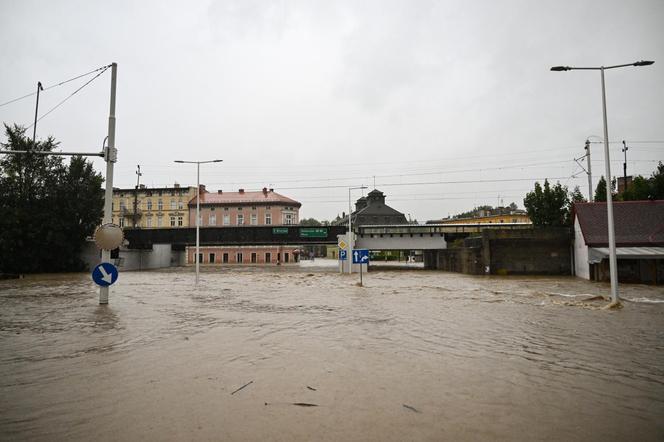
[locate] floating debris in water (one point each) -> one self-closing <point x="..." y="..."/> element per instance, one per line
<point x="248" y="383"/>
<point x="411" y="408"/>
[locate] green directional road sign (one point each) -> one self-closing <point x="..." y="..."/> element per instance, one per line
<point x="313" y="232"/>
<point x="280" y="230"/>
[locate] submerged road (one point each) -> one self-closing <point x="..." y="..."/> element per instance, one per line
<point x="302" y="353"/>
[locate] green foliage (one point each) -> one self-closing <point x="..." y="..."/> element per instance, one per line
<point x="657" y="183"/>
<point x="48" y="207"/>
<point x="310" y="222"/>
<point x="576" y="196"/>
<point x="489" y="209"/>
<point x="638" y="189"/>
<point x="600" y="190"/>
<point x="548" y="206"/>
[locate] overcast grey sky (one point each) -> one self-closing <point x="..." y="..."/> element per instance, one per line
<point x="310" y="97"/>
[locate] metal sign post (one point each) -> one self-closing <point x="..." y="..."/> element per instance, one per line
<point x="361" y="256"/>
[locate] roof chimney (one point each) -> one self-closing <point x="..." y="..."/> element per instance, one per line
<point x="271" y="189"/>
<point x="241" y="190"/>
<point x="220" y="191"/>
<point x="176" y="185"/>
<point x="201" y="188"/>
<point x="265" y="191"/>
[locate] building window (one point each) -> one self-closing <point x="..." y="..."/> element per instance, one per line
<point x="160" y="205"/>
<point x="254" y="219"/>
<point x="149" y="204"/>
<point x="225" y="209"/>
<point x="122" y="205"/>
<point x="268" y="257"/>
<point x="268" y="219"/>
<point x="172" y="221"/>
<point x="224" y="258"/>
<point x="122" y="221"/>
<point x="180" y="205"/>
<point x="160" y="221"/>
<point x="149" y="222"/>
<point x="253" y="208"/>
<point x="254" y="258"/>
<point x="212" y="257"/>
<point x="173" y="206"/>
<point x="240" y="208"/>
<point x="268" y="208"/>
<point x="180" y="221"/>
<point x="227" y="220"/>
<point x="238" y="258"/>
<point x="200" y="257"/>
<point x="212" y="220"/>
<point x="240" y="219"/>
<point x="288" y="218"/>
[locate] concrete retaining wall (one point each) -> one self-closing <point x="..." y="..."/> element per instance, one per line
<point x="529" y="251"/>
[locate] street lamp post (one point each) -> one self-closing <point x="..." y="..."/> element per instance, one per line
<point x="613" y="262"/>
<point x="198" y="206"/>
<point x="350" y="230"/>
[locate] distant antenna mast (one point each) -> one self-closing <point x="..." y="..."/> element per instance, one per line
<point x="138" y="181"/>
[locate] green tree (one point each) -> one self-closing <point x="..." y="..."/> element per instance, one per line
<point x="310" y="222"/>
<point x="48" y="207"/>
<point x="657" y="183"/>
<point x="600" y="190"/>
<point x="548" y="206"/>
<point x="576" y="196"/>
<point x="638" y="189"/>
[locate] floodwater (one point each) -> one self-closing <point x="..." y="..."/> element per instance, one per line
<point x="412" y="355"/>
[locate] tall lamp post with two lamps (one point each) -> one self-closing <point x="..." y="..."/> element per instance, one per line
<point x="613" y="262"/>
<point x="198" y="207"/>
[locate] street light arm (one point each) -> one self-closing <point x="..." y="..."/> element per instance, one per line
<point x="570" y="68"/>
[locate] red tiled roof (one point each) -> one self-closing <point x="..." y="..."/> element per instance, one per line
<point x="244" y="198"/>
<point x="637" y="223"/>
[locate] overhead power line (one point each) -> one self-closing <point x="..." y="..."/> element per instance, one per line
<point x="56" y="85"/>
<point x="69" y="96"/>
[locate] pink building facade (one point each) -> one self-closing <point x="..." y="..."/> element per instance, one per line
<point x="263" y="208"/>
<point x="242" y="208"/>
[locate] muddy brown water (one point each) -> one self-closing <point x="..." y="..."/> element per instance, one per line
<point x="413" y="355"/>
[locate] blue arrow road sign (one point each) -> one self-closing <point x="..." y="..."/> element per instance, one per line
<point x="105" y="274"/>
<point x="343" y="254"/>
<point x="361" y="256"/>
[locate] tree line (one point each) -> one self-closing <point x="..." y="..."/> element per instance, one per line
<point x="552" y="205"/>
<point x="49" y="207"/>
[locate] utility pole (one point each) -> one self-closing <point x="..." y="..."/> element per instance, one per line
<point x="34" y="126"/>
<point x="625" y="166"/>
<point x="110" y="155"/>
<point x="138" y="180"/>
<point x="590" y="173"/>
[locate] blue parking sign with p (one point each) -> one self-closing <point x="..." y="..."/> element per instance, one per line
<point x="343" y="254"/>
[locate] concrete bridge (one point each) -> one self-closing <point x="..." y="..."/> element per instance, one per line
<point x="421" y="236"/>
<point x="179" y="238"/>
<point x="373" y="237"/>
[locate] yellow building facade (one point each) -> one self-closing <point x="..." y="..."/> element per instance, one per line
<point x="512" y="218"/>
<point x="161" y="207"/>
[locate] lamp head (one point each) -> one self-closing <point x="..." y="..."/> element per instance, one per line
<point x="178" y="161"/>
<point x="644" y="63"/>
<point x="561" y="68"/>
<point x="217" y="161"/>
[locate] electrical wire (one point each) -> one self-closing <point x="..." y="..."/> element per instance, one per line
<point x="68" y="97"/>
<point x="56" y="85"/>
